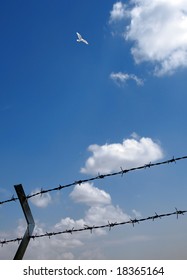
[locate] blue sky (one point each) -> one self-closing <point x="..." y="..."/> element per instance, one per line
<point x="69" y="111"/>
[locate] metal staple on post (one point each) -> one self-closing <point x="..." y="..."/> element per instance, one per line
<point x="30" y="222"/>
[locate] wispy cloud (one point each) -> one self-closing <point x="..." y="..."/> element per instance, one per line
<point x="5" y="108"/>
<point x="158" y="32"/>
<point x="137" y="214"/>
<point x="131" y="152"/>
<point x="121" y="78"/>
<point x="41" y="201"/>
<point x="118" y="12"/>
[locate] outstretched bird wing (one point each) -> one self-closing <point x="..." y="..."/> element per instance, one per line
<point x="79" y="36"/>
<point x="84" y="41"/>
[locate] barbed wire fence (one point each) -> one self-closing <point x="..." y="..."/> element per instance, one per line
<point x="99" y="176"/>
<point x="109" y="224"/>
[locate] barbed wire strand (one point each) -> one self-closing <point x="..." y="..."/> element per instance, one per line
<point x="99" y="176"/>
<point x="109" y="225"/>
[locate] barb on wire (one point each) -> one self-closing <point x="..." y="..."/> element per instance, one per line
<point x="18" y="239"/>
<point x="91" y="228"/>
<point x="134" y="221"/>
<point x="99" y="176"/>
<point x="9" y="200"/>
<point x="111" y="225"/>
<point x="178" y="212"/>
<point x="69" y="230"/>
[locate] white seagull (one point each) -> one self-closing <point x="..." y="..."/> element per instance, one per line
<point x="80" y="39"/>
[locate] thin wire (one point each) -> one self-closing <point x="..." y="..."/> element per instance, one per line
<point x="109" y="225"/>
<point x="99" y="176"/>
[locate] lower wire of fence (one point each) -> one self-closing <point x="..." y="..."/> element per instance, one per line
<point x="90" y="228"/>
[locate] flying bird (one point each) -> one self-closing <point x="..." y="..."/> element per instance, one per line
<point x="80" y="39"/>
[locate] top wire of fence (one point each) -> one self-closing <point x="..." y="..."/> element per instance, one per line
<point x="99" y="176"/>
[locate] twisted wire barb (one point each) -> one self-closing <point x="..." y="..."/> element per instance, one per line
<point x="99" y="176"/>
<point x="9" y="200"/>
<point x="91" y="228"/>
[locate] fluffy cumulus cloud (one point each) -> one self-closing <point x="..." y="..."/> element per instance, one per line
<point x="96" y="215"/>
<point x="101" y="215"/>
<point x="101" y="210"/>
<point x="130" y="153"/>
<point x="90" y="195"/>
<point x="158" y="32"/>
<point x="121" y="78"/>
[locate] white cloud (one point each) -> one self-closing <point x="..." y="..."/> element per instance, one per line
<point x="95" y="215"/>
<point x="130" y="153"/>
<point x="101" y="209"/>
<point x="41" y="201"/>
<point x="90" y="195"/>
<point x="118" y="12"/>
<point x="158" y="30"/>
<point x="98" y="215"/>
<point x="121" y="78"/>
<point x="135" y="136"/>
<point x="137" y="214"/>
